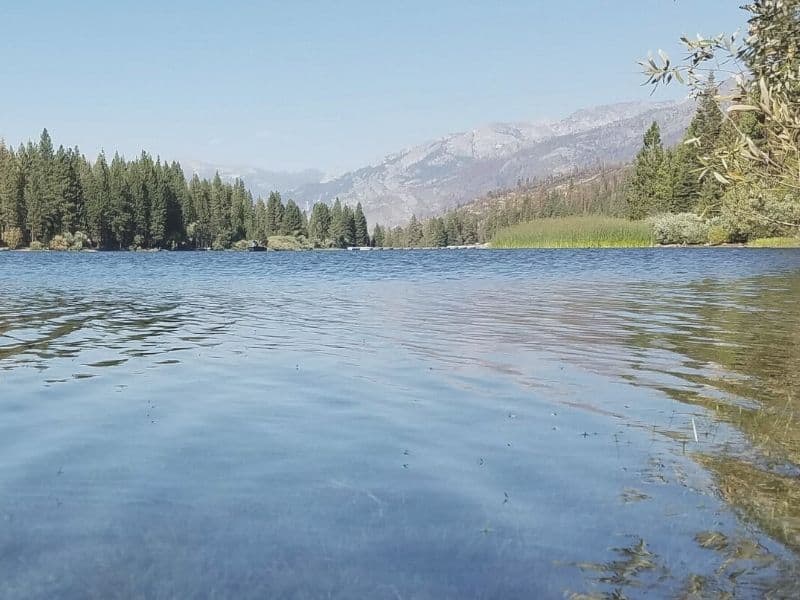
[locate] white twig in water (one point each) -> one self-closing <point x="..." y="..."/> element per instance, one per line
<point x="694" y="429"/>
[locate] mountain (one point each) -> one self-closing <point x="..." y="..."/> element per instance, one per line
<point x="260" y="181"/>
<point x="439" y="175"/>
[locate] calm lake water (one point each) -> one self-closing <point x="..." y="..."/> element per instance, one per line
<point x="406" y="424"/>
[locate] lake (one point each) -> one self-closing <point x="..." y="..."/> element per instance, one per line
<point x="404" y="424"/>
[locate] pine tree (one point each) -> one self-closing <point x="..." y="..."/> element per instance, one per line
<point x="319" y="225"/>
<point x="220" y="211"/>
<point x="349" y="220"/>
<point x="338" y="225"/>
<point x="275" y="210"/>
<point x="260" y="221"/>
<point x="702" y="136"/>
<point x="292" y="223"/>
<point x="241" y="206"/>
<point x="378" y="237"/>
<point x="69" y="190"/>
<point x="120" y="205"/>
<point x="12" y="210"/>
<point x="413" y="233"/>
<point x="435" y="233"/>
<point x="361" y="232"/>
<point x="644" y="191"/>
<point x="97" y="202"/>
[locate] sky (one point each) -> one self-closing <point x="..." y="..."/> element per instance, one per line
<point x="330" y="85"/>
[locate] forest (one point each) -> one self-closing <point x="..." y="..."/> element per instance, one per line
<point x="58" y="199"/>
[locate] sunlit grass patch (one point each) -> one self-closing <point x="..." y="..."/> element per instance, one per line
<point x="775" y="242"/>
<point x="575" y="232"/>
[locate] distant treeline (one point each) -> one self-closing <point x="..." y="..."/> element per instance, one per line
<point x="598" y="191"/>
<point x="48" y="196"/>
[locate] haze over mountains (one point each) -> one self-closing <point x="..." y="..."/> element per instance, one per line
<point x="438" y="175"/>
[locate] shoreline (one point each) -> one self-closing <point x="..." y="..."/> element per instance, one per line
<point x="418" y="249"/>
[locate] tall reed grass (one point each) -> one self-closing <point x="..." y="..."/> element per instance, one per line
<point x="575" y="232"/>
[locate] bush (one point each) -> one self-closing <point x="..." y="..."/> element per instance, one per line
<point x="241" y="245"/>
<point x="138" y="242"/>
<point x="680" y="228"/>
<point x="69" y="241"/>
<point x="755" y="213"/>
<point x="12" y="237"/>
<point x="288" y="242"/>
<point x="717" y="232"/>
<point x="79" y="241"/>
<point x="37" y="245"/>
<point x="717" y="235"/>
<point x="61" y="242"/>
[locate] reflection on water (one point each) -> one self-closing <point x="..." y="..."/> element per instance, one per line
<point x="400" y="424"/>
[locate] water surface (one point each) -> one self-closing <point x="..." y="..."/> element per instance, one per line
<point x="404" y="424"/>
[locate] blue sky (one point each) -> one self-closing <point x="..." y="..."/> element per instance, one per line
<point x="333" y="85"/>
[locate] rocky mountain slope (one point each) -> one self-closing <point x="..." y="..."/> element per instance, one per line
<point x="433" y="177"/>
<point x="439" y="175"/>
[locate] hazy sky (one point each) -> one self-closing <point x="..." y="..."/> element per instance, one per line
<point x="333" y="85"/>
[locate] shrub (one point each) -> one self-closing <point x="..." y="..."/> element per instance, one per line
<point x="37" y="245"/>
<point x="12" y="237"/>
<point x="242" y="245"/>
<point x="138" y="242"/>
<point x="288" y="242"/>
<point x="755" y="213"/>
<point x="69" y="241"/>
<point x="60" y="242"/>
<point x="79" y="241"/>
<point x="680" y="228"/>
<point x="717" y="232"/>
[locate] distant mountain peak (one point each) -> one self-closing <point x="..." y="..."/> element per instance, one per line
<point x="438" y="175"/>
<point x="456" y="168"/>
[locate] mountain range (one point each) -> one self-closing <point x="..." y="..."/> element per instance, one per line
<point x="438" y="175"/>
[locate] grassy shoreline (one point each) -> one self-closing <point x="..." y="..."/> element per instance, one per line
<point x="575" y="232"/>
<point x="605" y="232"/>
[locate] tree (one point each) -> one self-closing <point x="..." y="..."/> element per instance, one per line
<point x="220" y="209"/>
<point x="319" y="224"/>
<point x="647" y="189"/>
<point x="413" y="233"/>
<point x="435" y="233"/>
<point x="69" y="190"/>
<point x="378" y="237"/>
<point x="241" y="210"/>
<point x="259" y="221"/>
<point x="275" y="211"/>
<point x="349" y="231"/>
<point x="96" y="184"/>
<point x="361" y="232"/>
<point x="12" y="208"/>
<point x="120" y="209"/>
<point x="762" y="171"/>
<point x="292" y="220"/>
<point x="338" y="224"/>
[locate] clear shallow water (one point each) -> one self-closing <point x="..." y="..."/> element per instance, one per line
<point x="444" y="424"/>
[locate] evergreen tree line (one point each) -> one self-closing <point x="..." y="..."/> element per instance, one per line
<point x="668" y="180"/>
<point x="49" y="195"/>
<point x="679" y="181"/>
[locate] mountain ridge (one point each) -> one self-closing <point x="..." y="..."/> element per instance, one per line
<point x="437" y="175"/>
